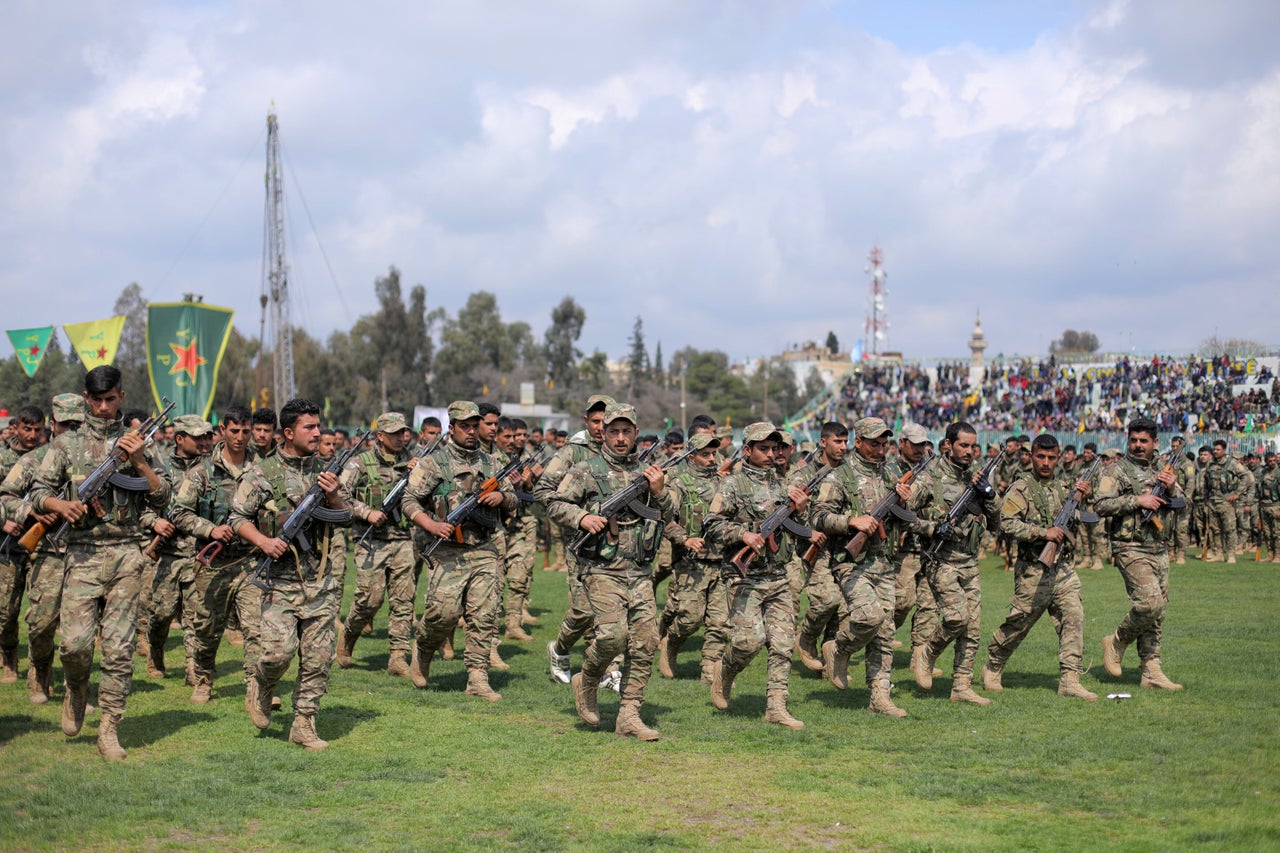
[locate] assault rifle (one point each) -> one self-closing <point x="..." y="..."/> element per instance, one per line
<point x="888" y="505"/>
<point x="1163" y="494"/>
<point x="470" y="504"/>
<point x="106" y="474"/>
<point x="153" y="548"/>
<point x="779" y="518"/>
<point x="967" y="502"/>
<point x="726" y="467"/>
<point x="525" y="464"/>
<point x="311" y="506"/>
<point x="1066" y="518"/>
<point x="391" y="503"/>
<point x="628" y="497"/>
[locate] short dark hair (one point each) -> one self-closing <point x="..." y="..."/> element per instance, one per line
<point x="131" y="415"/>
<point x="562" y="433"/>
<point x="294" y="409"/>
<point x="505" y="424"/>
<point x="675" y="436"/>
<point x="265" y="415"/>
<point x="430" y="420"/>
<point x="327" y="431"/>
<point x="519" y="424"/>
<point x="102" y="379"/>
<point x="342" y="432"/>
<point x="1142" y="425"/>
<point x="1067" y="447"/>
<point x="702" y="422"/>
<point x="1044" y="441"/>
<point x="833" y="428"/>
<point x="237" y="415"/>
<point x="954" y="430"/>
<point x="1091" y="445"/>
<point x="487" y="409"/>
<point x="29" y="415"/>
<point x="1222" y="442"/>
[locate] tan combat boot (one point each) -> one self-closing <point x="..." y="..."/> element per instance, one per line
<point x="527" y="618"/>
<point x="108" y="739"/>
<point x="922" y="666"/>
<point x="1070" y="687"/>
<point x="1153" y="676"/>
<point x="9" y="664"/>
<point x="202" y="692"/>
<point x="73" y="708"/>
<point x="35" y="687"/>
<point x="1231" y="559"/>
<point x="835" y="666"/>
<point x="446" y="651"/>
<point x="155" y="661"/>
<point x="630" y="725"/>
<point x="417" y="674"/>
<point x="478" y="685"/>
<point x="345" y="647"/>
<point x="515" y="631"/>
<point x="1113" y="654"/>
<point x="234" y="637"/>
<point x="881" y="703"/>
<point x="1097" y="564"/>
<point x="776" y="711"/>
<point x="721" y="685"/>
<point x="397" y="666"/>
<point x="667" y="654"/>
<point x="260" y="710"/>
<point x="1180" y="559"/>
<point x="495" y="659"/>
<point x="303" y="733"/>
<point x="807" y="648"/>
<point x="189" y="680"/>
<point x="708" y="672"/>
<point x="991" y="676"/>
<point x="962" y="691"/>
<point x="584" y="698"/>
<point x="143" y="648"/>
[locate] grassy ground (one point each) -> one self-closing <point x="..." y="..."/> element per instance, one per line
<point x="435" y="769"/>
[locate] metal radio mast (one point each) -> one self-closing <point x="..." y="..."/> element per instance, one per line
<point x="275" y="276"/>
<point x="877" y="328"/>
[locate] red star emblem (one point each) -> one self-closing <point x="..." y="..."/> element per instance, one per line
<point x="35" y="351"/>
<point x="102" y="353"/>
<point x="187" y="358"/>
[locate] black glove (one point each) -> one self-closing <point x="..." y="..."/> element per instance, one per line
<point x="944" y="531"/>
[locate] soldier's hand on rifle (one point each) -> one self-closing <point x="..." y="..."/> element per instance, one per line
<point x="696" y="544"/>
<point x="328" y="483"/>
<point x="1056" y="534"/>
<point x="493" y="498"/>
<point x="864" y="524"/>
<point x="223" y="533"/>
<point x="1150" y="501"/>
<point x="656" y="477"/>
<point x="1167" y="477"/>
<point x="593" y="523"/>
<point x="377" y="518"/>
<point x="818" y="538"/>
<point x="799" y="498"/>
<point x="13" y="528"/>
<point x="164" y="527"/>
<point x="132" y="444"/>
<point x="904" y="491"/>
<point x="754" y="541"/>
<point x="71" y="511"/>
<point x="1084" y="488"/>
<point x="274" y="548"/>
<point x="945" y="531"/>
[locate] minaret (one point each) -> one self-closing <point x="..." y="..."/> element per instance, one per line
<point x="977" y="343"/>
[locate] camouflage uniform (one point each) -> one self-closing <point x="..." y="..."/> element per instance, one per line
<point x="1185" y="471"/>
<point x="104" y="561"/>
<point x="1200" y="509"/>
<point x="465" y="577"/>
<point x="203" y="502"/>
<point x="1223" y="479"/>
<point x="826" y="609"/>
<point x="165" y="579"/>
<point x="617" y="577"/>
<point x="911" y="588"/>
<point x="13" y="572"/>
<point x="385" y="559"/>
<point x="300" y="607"/>
<point x="1141" y="550"/>
<point x="1246" y="509"/>
<point x="1269" y="510"/>
<point x="522" y="541"/>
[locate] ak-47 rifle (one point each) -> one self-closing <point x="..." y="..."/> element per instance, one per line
<point x="311" y="506"/>
<point x="888" y="505"/>
<point x="1163" y="494"/>
<point x="107" y="473"/>
<point x="779" y="518"/>
<point x="470" y="504"/>
<point x="153" y="547"/>
<point x="1066" y="518"/>
<point x="391" y="503"/>
<point x="628" y="497"/>
<point x="726" y="467"/>
<point x="6" y="544"/>
<point x="527" y="463"/>
<point x="967" y="502"/>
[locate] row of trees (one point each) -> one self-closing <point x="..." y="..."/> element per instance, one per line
<point x="406" y="354"/>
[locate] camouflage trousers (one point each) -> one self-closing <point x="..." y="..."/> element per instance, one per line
<point x="797" y="574"/>
<point x="826" y="601"/>
<point x="625" y="616"/>
<point x="44" y="600"/>
<point x="1246" y="514"/>
<point x="957" y="589"/>
<point x="1221" y="519"/>
<point x="299" y="618"/>
<point x="867" y="589"/>
<point x="205" y="604"/>
<point x="1201" y="512"/>
<point x="1036" y="590"/>
<point x="578" y="620"/>
<point x="385" y="570"/>
<point x="1093" y="543"/>
<point x="1146" y="579"/>
<point x="761" y="615"/>
<point x="664" y="564"/>
<point x="245" y="608"/>
<point x="100" y="600"/>
<point x="696" y="596"/>
<point x="13" y="581"/>
<point x="170" y="575"/>
<point x="1270" y="515"/>
<point x="463" y="583"/>
<point x="522" y="546"/>
<point x="1181" y="530"/>
<point x="911" y="592"/>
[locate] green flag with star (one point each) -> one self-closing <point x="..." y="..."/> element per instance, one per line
<point x="185" y="344"/>
<point x="29" y="346"/>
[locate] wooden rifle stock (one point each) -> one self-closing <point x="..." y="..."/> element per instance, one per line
<point x="30" y="539"/>
<point x="153" y="548"/>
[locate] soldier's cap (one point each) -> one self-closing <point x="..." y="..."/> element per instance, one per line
<point x="463" y="410"/>
<point x="68" y="407"/>
<point x="598" y="400"/>
<point x="787" y="438"/>
<point x="392" y="422"/>
<point x="915" y="434"/>
<point x="724" y="432"/>
<point x="807" y="446"/>
<point x="761" y="431"/>
<point x="1112" y="453"/>
<point x="871" y="428"/>
<point x="703" y="440"/>
<point x="1178" y="438"/>
<point x="618" y="410"/>
<point x="193" y="426"/>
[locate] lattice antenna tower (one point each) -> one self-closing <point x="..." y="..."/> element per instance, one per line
<point x="275" y="274"/>
<point x="877" y="326"/>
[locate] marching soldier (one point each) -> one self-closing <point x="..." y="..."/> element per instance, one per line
<point x="1224" y="478"/>
<point x="826" y="602"/>
<point x="28" y="434"/>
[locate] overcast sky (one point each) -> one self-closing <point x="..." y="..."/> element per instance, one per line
<point x="721" y="169"/>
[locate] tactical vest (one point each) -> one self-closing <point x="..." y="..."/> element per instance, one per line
<point x="642" y="546"/>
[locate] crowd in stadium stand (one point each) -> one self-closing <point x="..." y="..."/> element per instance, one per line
<point x="1209" y="395"/>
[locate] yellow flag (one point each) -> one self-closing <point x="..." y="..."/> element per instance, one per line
<point x="96" y="341"/>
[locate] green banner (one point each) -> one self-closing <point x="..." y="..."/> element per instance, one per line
<point x="29" y="346"/>
<point x="185" y="343"/>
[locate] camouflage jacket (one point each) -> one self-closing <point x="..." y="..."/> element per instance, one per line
<point x="1116" y="497"/>
<point x="852" y="489"/>
<point x="692" y="490"/>
<point x="1222" y="478"/>
<point x="1185" y="470"/>
<point x="934" y="493"/>
<point x="443" y="480"/>
<point x="366" y="481"/>
<point x="743" y="500"/>
<point x="203" y="502"/>
<point x="10" y="453"/>
<point x="267" y="493"/>
<point x="72" y="456"/>
<point x="579" y="448"/>
<point x="588" y="483"/>
<point x="1268" y="486"/>
<point x="15" y="491"/>
<point x="1027" y="512"/>
<point x="1248" y="488"/>
<point x="181" y="543"/>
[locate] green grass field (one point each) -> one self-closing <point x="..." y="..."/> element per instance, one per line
<point x="435" y="769"/>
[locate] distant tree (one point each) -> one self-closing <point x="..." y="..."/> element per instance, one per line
<point x="131" y="356"/>
<point x="833" y="343"/>
<point x="658" y="375"/>
<point x="1234" y="347"/>
<point x="638" y="367"/>
<point x="560" y="343"/>
<point x="813" y="384"/>
<point x="1073" y="342"/>
<point x="477" y="346"/>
